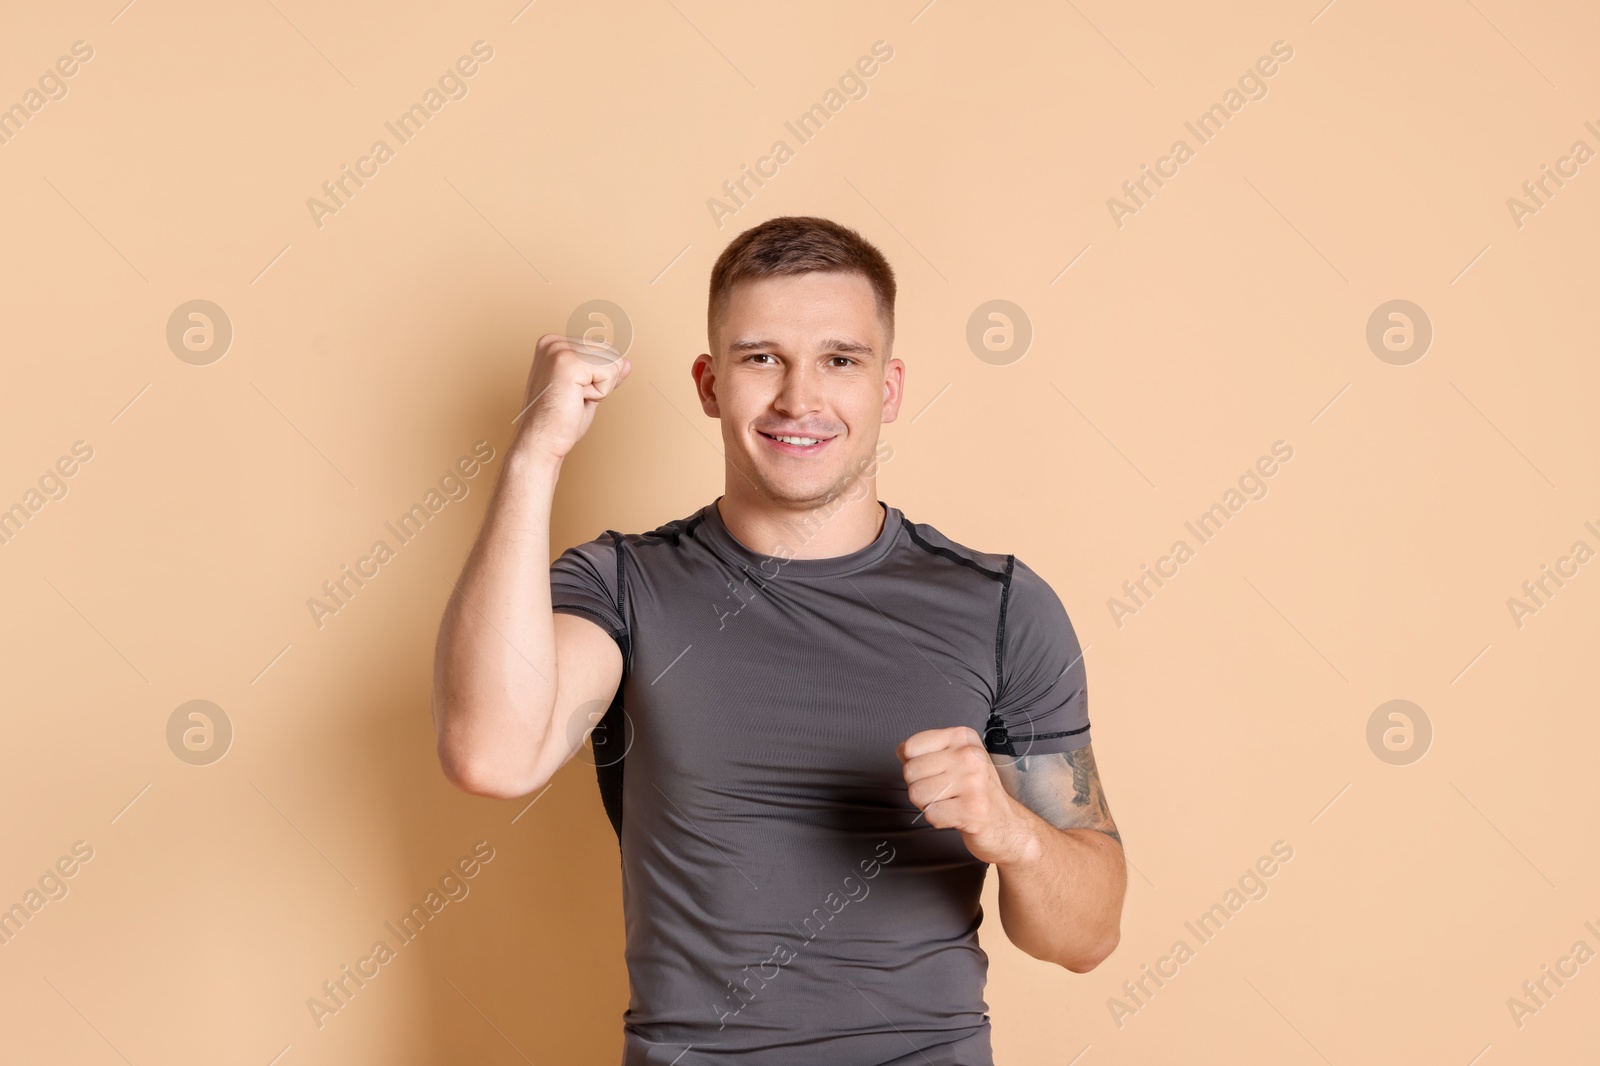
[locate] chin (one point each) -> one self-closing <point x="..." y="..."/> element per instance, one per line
<point x="796" y="490"/>
<point x="842" y="487"/>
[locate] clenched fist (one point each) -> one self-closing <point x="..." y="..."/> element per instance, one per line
<point x="568" y="379"/>
<point x="952" y="781"/>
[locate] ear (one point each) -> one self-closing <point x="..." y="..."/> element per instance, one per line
<point x="894" y="384"/>
<point x="704" y="372"/>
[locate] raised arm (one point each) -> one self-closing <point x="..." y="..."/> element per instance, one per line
<point x="511" y="677"/>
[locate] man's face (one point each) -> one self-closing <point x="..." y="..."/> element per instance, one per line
<point x="800" y="356"/>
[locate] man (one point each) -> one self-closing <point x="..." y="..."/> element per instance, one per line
<point x="824" y="721"/>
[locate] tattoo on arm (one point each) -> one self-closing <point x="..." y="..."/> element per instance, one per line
<point x="1062" y="788"/>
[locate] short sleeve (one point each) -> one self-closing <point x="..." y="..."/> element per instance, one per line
<point x="587" y="579"/>
<point x="1042" y="707"/>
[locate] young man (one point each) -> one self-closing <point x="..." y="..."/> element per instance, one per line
<point x="825" y="721"/>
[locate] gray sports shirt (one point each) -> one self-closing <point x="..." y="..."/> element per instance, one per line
<point x="785" y="903"/>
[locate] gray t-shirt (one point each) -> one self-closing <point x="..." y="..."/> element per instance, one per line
<point x="785" y="903"/>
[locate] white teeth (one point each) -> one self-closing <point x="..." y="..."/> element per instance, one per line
<point x="802" y="441"/>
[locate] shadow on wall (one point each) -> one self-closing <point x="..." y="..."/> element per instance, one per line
<point x="527" y="959"/>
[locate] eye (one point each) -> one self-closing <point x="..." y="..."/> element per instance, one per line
<point x="846" y="358"/>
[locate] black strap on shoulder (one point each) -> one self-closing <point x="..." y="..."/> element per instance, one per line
<point x="995" y="738"/>
<point x="610" y="738"/>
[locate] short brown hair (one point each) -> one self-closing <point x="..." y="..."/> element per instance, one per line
<point x="800" y="244"/>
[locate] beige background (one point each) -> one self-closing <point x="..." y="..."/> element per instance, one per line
<point x="369" y="354"/>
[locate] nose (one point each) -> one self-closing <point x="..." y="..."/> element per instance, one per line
<point x="800" y="393"/>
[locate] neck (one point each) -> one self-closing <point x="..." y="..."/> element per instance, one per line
<point x="809" y="529"/>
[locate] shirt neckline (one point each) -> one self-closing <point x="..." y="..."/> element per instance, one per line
<point x="774" y="566"/>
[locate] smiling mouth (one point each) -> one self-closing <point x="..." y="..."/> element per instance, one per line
<point x="795" y="444"/>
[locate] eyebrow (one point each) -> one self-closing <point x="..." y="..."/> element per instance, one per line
<point x="832" y="344"/>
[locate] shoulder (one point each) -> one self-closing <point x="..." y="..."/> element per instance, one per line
<point x="1026" y="582"/>
<point x="668" y="535"/>
<point x="940" y="550"/>
<point x="1024" y="592"/>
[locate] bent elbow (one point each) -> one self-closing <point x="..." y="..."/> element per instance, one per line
<point x="1088" y="960"/>
<point x="475" y="778"/>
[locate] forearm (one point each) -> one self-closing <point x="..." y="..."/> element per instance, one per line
<point x="1061" y="900"/>
<point x="494" y="678"/>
